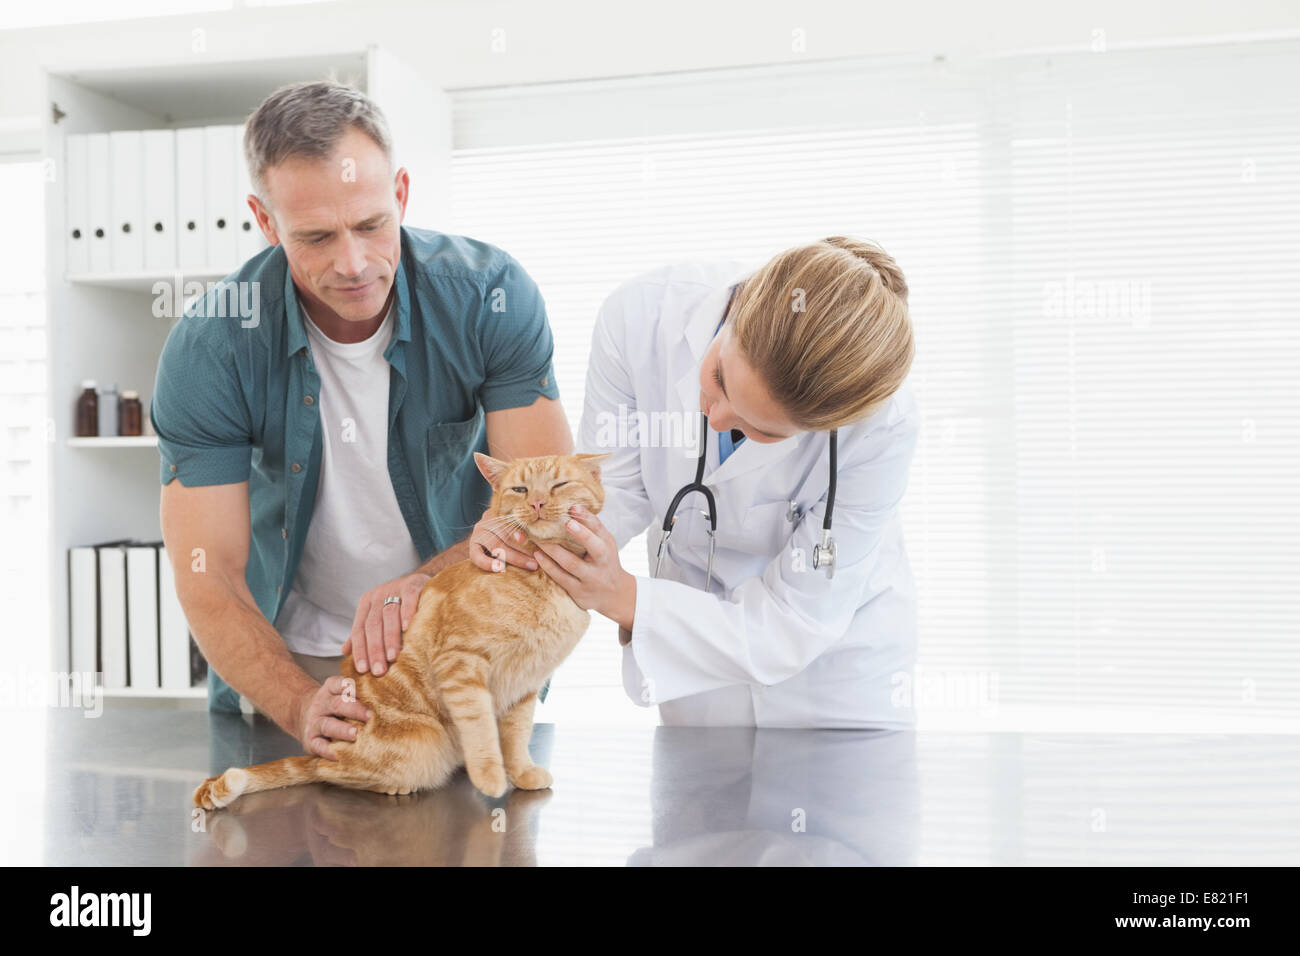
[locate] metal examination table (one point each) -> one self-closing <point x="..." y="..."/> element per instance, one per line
<point x="117" y="791"/>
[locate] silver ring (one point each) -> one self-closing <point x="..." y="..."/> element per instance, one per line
<point x="392" y="599"/>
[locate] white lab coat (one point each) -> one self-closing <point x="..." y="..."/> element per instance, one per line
<point x="776" y="644"/>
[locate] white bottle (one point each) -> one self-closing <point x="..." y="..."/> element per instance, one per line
<point x="108" y="411"/>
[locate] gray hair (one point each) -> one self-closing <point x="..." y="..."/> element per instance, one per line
<point x="308" y="119"/>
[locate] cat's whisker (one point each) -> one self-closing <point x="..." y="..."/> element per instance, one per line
<point x="505" y="521"/>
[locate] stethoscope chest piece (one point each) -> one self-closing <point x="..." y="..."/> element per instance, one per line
<point x="824" y="554"/>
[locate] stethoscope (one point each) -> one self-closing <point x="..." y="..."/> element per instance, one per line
<point x="823" y="552"/>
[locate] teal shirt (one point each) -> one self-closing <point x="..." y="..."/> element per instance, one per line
<point x="235" y="398"/>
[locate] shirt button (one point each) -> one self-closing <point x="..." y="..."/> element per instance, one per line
<point x="173" y="467"/>
<point x="295" y="467"/>
<point x="284" y="533"/>
<point x="308" y="400"/>
<point x="543" y="382"/>
<point x="279" y="589"/>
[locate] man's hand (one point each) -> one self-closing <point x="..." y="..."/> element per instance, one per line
<point x="321" y="716"/>
<point x="377" y="630"/>
<point x="488" y="548"/>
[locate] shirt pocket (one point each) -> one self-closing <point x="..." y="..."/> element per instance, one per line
<point x="763" y="530"/>
<point x="450" y="445"/>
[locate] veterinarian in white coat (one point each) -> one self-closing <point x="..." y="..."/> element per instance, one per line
<point x="776" y="643"/>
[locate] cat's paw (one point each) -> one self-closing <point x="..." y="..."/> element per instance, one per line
<point x="203" y="794"/>
<point x="490" y="779"/>
<point x="221" y="790"/>
<point x="532" y="778"/>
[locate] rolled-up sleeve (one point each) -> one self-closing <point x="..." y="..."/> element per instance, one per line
<point x="516" y="341"/>
<point x="199" y="411"/>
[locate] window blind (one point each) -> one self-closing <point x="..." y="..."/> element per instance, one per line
<point x="24" y="431"/>
<point x="1102" y="251"/>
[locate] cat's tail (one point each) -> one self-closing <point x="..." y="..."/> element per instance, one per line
<point x="222" y="790"/>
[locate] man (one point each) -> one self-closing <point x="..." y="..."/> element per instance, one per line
<point x="316" y="442"/>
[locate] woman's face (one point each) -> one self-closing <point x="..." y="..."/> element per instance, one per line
<point x="732" y="396"/>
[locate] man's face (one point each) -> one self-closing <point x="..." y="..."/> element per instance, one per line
<point x="338" y="220"/>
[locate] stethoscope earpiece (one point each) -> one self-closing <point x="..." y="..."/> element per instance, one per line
<point x="670" y="517"/>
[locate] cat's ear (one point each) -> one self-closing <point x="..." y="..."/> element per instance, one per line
<point x="592" y="462"/>
<point x="491" y="468"/>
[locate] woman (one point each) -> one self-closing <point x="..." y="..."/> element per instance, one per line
<point x="817" y="339"/>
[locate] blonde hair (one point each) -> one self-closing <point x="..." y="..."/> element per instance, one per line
<point x="826" y="326"/>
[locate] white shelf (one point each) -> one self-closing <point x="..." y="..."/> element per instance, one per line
<point x="189" y="693"/>
<point x="192" y="90"/>
<point x="119" y="441"/>
<point x="145" y="281"/>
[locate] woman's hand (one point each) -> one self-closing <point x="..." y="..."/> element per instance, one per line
<point x="488" y="549"/>
<point x="596" y="582"/>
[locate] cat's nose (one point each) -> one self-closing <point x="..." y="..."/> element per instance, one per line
<point x="538" y="506"/>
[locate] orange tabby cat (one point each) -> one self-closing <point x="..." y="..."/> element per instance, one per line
<point x="479" y="647"/>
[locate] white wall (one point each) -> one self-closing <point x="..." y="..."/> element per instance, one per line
<point x="452" y="40"/>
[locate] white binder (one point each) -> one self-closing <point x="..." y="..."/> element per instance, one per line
<point x="112" y="615"/>
<point x="249" y="240"/>
<point x="97" y="186"/>
<point x="83" y="619"/>
<point x="174" y="632"/>
<point x="75" y="174"/>
<point x="126" y="202"/>
<point x="159" y="165"/>
<point x="219" y="148"/>
<point x="142" y="614"/>
<point x="191" y="233"/>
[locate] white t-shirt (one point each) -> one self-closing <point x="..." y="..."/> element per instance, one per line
<point x="357" y="538"/>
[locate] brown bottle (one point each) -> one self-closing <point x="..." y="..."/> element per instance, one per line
<point x="131" y="419"/>
<point x="88" y="410"/>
